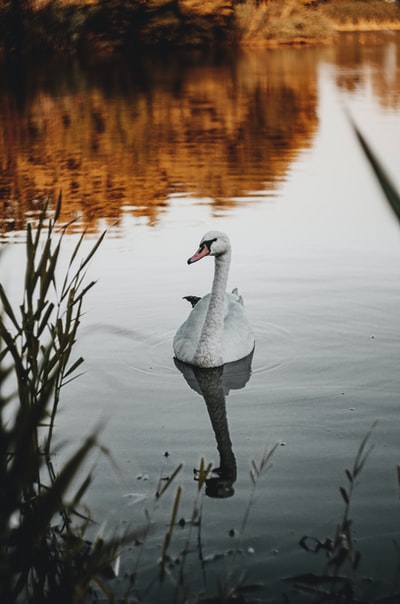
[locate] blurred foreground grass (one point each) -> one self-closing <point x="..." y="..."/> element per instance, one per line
<point x="44" y="556"/>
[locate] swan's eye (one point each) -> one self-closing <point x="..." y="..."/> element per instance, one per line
<point x="208" y="244"/>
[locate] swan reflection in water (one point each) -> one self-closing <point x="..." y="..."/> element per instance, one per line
<point x="214" y="385"/>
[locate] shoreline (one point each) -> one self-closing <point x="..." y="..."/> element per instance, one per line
<point x="88" y="26"/>
<point x="364" y="26"/>
<point x="337" y="28"/>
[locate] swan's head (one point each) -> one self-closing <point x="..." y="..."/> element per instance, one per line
<point x="213" y="243"/>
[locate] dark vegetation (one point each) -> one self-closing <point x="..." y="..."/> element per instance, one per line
<point x="68" y="25"/>
<point x="114" y="25"/>
<point x="44" y="556"/>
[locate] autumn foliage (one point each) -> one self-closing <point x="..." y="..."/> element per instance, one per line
<point x="70" y="25"/>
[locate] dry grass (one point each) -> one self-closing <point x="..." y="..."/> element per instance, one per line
<point x="274" y="22"/>
<point x="360" y="11"/>
<point x="292" y="21"/>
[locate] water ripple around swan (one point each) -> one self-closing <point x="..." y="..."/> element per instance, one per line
<point x="150" y="352"/>
<point x="272" y="346"/>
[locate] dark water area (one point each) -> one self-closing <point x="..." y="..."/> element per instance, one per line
<point x="257" y="143"/>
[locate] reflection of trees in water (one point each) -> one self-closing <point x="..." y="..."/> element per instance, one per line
<point x="380" y="51"/>
<point x="214" y="384"/>
<point x="129" y="135"/>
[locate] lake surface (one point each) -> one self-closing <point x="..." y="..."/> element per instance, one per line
<point x="256" y="143"/>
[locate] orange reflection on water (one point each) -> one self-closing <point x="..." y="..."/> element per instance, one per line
<point x="370" y="59"/>
<point x="114" y="135"/>
<point x="132" y="135"/>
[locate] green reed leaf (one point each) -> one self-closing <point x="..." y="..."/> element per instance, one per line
<point x="7" y="308"/>
<point x="171" y="478"/>
<point x="26" y="458"/>
<point x="77" y="248"/>
<point x="58" y="207"/>
<point x="349" y="476"/>
<point x="81" y="491"/>
<point x="45" y="319"/>
<point x="93" y="250"/>
<point x="391" y="193"/>
<point x="254" y="470"/>
<point x="77" y="278"/>
<point x="169" y="533"/>
<point x="73" y="367"/>
<point x="30" y="258"/>
<point x="83" y="292"/>
<point x="47" y="269"/>
<point x="12" y="348"/>
<point x="344" y="494"/>
<point x="49" y="501"/>
<point x="363" y="452"/>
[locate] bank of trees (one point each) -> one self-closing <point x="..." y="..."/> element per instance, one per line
<point x="68" y="25"/>
<point x="28" y="25"/>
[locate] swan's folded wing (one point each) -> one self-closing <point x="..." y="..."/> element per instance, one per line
<point x="187" y="336"/>
<point x="238" y="335"/>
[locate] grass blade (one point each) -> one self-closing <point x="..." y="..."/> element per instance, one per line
<point x="388" y="188"/>
<point x="160" y="492"/>
<point x="7" y="307"/>
<point x="168" y="535"/>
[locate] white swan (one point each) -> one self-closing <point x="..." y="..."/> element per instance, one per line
<point x="217" y="330"/>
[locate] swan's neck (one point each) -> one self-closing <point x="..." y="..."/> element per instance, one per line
<point x="209" y="349"/>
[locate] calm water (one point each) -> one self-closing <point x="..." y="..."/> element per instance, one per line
<point x="257" y="144"/>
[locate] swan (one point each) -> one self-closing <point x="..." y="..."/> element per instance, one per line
<point x="217" y="330"/>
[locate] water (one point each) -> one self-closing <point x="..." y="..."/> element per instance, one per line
<point x="258" y="144"/>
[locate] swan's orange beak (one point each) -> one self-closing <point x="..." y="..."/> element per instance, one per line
<point x="201" y="253"/>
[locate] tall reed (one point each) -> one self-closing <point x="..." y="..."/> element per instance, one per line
<point x="44" y="556"/>
<point x="388" y="188"/>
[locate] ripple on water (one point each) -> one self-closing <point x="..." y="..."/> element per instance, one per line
<point x="150" y="352"/>
<point x="273" y="346"/>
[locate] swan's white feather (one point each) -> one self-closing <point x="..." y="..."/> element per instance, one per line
<point x="216" y="331"/>
<point x="238" y="339"/>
